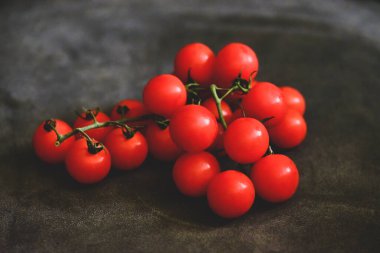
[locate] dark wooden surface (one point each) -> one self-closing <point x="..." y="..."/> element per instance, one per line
<point x="56" y="56"/>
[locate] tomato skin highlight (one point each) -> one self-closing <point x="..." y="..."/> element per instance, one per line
<point x="98" y="133"/>
<point x="199" y="59"/>
<point x="84" y="167"/>
<point x="160" y="143"/>
<point x="232" y="60"/>
<point x="246" y="140"/>
<point x="263" y="101"/>
<point x="230" y="194"/>
<point x="290" y="132"/>
<point x="193" y="128"/>
<point x="193" y="172"/>
<point x="164" y="94"/>
<point x="44" y="142"/>
<point x="294" y="99"/>
<point x="178" y="121"/>
<point x="275" y="178"/>
<point x="226" y="110"/>
<point x="126" y="153"/>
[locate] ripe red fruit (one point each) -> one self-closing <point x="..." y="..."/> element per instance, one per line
<point x="129" y="108"/>
<point x="238" y="113"/>
<point x="86" y="167"/>
<point x="161" y="144"/>
<point x="294" y="99"/>
<point x="44" y="140"/>
<point x="85" y="119"/>
<point x="218" y="143"/>
<point x="226" y="110"/>
<point x="275" y="178"/>
<point x="230" y="194"/>
<point x="199" y="60"/>
<point x="290" y="132"/>
<point x="238" y="95"/>
<point x="265" y="101"/>
<point x="246" y="140"/>
<point x="232" y="60"/>
<point x="164" y="94"/>
<point x="193" y="172"/>
<point x="127" y="152"/>
<point x="193" y="128"/>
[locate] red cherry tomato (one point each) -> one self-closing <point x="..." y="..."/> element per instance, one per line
<point x="238" y="95"/>
<point x="199" y="60"/>
<point x="226" y="110"/>
<point x="290" y="132"/>
<point x="44" y="140"/>
<point x="232" y="60"/>
<point x="85" y="119"/>
<point x="129" y="108"/>
<point x="264" y="101"/>
<point x="127" y="153"/>
<point x="218" y="143"/>
<point x="246" y="140"/>
<point x="294" y="99"/>
<point x="164" y="94"/>
<point x="85" y="167"/>
<point x="193" y="172"/>
<point x="161" y="144"/>
<point x="193" y="128"/>
<point x="237" y="114"/>
<point x="275" y="178"/>
<point x="230" y="194"/>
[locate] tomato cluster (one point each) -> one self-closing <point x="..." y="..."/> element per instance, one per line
<point x="210" y="106"/>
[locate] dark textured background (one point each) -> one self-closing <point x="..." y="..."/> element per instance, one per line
<point x="56" y="56"/>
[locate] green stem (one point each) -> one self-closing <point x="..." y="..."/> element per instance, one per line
<point x="193" y="87"/>
<point x="218" y="102"/>
<point x="84" y="134"/>
<point x="270" y="150"/>
<point x="96" y="124"/>
<point x="190" y="87"/>
<point x="229" y="91"/>
<point x="92" y="147"/>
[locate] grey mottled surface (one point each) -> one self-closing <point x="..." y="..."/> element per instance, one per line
<point x="56" y="56"/>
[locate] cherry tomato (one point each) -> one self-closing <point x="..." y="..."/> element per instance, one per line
<point x="199" y="60"/>
<point x="232" y="60"/>
<point x="127" y="152"/>
<point x="230" y="194"/>
<point x="129" y="108"/>
<point x="275" y="178"/>
<point x="161" y="144"/>
<point x="193" y="172"/>
<point x="226" y="110"/>
<point x="238" y="95"/>
<point x="218" y="143"/>
<point x="44" y="140"/>
<point x="264" y="101"/>
<point x="164" y="94"/>
<point x="193" y="128"/>
<point x="85" y="119"/>
<point x="86" y="167"/>
<point x="290" y="132"/>
<point x="246" y="140"/>
<point x="237" y="114"/>
<point x="294" y="99"/>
